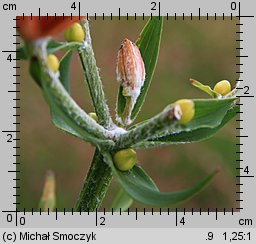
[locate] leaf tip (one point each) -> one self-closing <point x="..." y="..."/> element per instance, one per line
<point x="192" y="81"/>
<point x="214" y="173"/>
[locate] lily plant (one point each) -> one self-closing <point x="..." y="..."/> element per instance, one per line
<point x="116" y="140"/>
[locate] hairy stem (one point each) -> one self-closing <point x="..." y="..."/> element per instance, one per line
<point x="161" y="123"/>
<point x="95" y="184"/>
<point x="92" y="77"/>
<point x="57" y="96"/>
<point x="100" y="174"/>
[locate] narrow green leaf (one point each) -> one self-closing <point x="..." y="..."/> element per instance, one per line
<point x="59" y="118"/>
<point x="142" y="190"/>
<point x="52" y="47"/>
<point x="63" y="122"/>
<point x="121" y="100"/>
<point x="122" y="201"/>
<point x="21" y="53"/>
<point x="213" y="93"/>
<point x="35" y="70"/>
<point x="139" y="176"/>
<point x="204" y="88"/>
<point x="189" y="136"/>
<point x="208" y="113"/>
<point x="64" y="70"/>
<point x="148" y="44"/>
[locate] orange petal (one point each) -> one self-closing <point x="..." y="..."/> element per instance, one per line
<point x="34" y="28"/>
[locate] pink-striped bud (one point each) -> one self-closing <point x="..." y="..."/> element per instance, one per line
<point x="130" y="72"/>
<point x="130" y="68"/>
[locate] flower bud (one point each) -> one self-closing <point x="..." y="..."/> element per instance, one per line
<point x="222" y="87"/>
<point x="53" y="62"/>
<point x="74" y="33"/>
<point x="94" y="116"/>
<point x="130" y="72"/>
<point x="130" y="68"/>
<point x="187" y="110"/>
<point x="125" y="159"/>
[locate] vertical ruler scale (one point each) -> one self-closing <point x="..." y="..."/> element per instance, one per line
<point x="247" y="169"/>
<point x="11" y="134"/>
<point x="241" y="216"/>
<point x="17" y="117"/>
<point x="239" y="120"/>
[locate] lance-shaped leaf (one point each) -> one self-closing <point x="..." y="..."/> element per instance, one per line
<point x="204" y="88"/>
<point x="122" y="201"/>
<point x="148" y="44"/>
<point x="209" y="113"/>
<point x="64" y="122"/>
<point x="64" y="70"/>
<point x="189" y="136"/>
<point x="52" y="47"/>
<point x="59" y="119"/>
<point x="68" y="115"/>
<point x="214" y="93"/>
<point x="35" y="70"/>
<point x="138" y="185"/>
<point x="22" y="53"/>
<point x="48" y="198"/>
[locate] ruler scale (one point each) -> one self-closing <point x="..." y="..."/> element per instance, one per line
<point x="214" y="225"/>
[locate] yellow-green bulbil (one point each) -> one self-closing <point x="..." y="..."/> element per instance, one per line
<point x="94" y="116"/>
<point x="74" y="33"/>
<point x="125" y="159"/>
<point x="53" y="62"/>
<point x="187" y="110"/>
<point x="222" y="87"/>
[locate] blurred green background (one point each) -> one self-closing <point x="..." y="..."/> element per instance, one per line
<point x="203" y="50"/>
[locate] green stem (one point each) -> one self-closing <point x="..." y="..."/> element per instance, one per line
<point x="95" y="185"/>
<point x="57" y="96"/>
<point x="127" y="110"/>
<point x="91" y="73"/>
<point x="161" y="123"/>
<point x="100" y="174"/>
